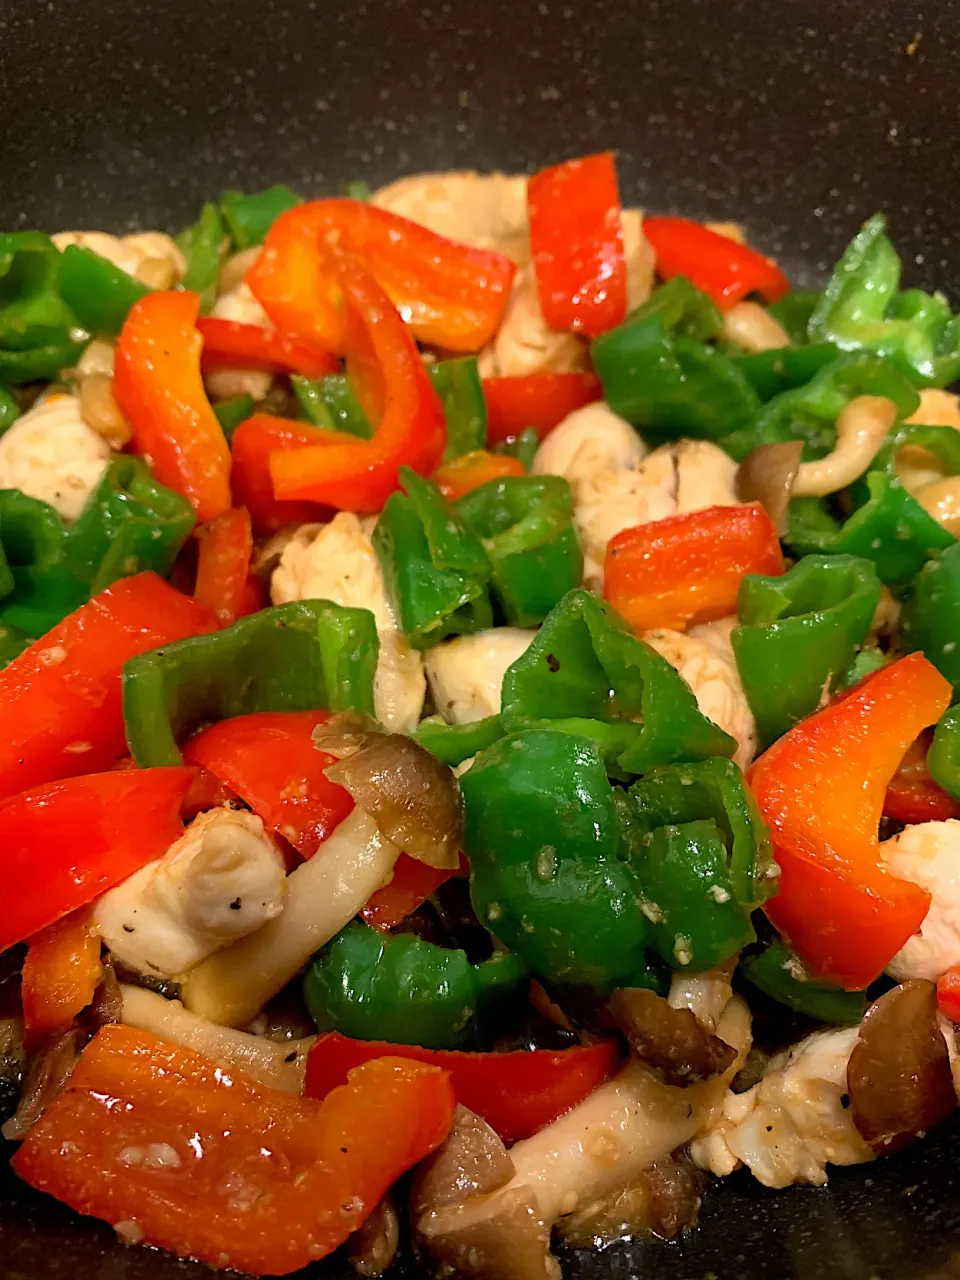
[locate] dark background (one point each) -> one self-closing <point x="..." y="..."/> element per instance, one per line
<point x="799" y="118"/>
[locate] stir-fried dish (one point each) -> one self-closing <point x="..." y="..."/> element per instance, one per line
<point x="477" y="703"/>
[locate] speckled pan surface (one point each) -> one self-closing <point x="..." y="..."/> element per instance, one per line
<point x="798" y="118"/>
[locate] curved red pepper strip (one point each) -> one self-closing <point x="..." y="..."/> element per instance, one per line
<point x="413" y="882"/>
<point x="576" y="242"/>
<point x="61" y="972"/>
<point x="449" y="294"/>
<point x="471" y="470"/>
<point x="821" y="789"/>
<point x="228" y="343"/>
<point x="252" y="444"/>
<point x="223" y="563"/>
<point x="538" y="400"/>
<point x="159" y="387"/>
<point x="717" y="265"/>
<point x="912" y="795"/>
<point x="516" y="1093"/>
<point x="948" y="994"/>
<point x="397" y="395"/>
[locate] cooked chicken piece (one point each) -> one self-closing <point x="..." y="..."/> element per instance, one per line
<point x="129" y="253"/>
<point x="793" y="1123"/>
<point x="937" y="409"/>
<point x="705" y="659"/>
<point x="929" y="855"/>
<point x="706" y="476"/>
<point x="52" y="454"/>
<point x="753" y="328"/>
<point x="639" y="258"/>
<point x="706" y="994"/>
<point x="337" y="562"/>
<point x="486" y="210"/>
<point x="220" y="881"/>
<point x="465" y="674"/>
<point x="240" y="305"/>
<point x="525" y="343"/>
<point x="589" y="440"/>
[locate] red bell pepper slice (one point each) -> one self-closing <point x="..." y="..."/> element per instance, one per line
<point x="912" y="795"/>
<point x="516" y="1093"/>
<point x="538" y="400"/>
<point x="412" y="884"/>
<point x="214" y="1166"/>
<point x="159" y="387"/>
<point x="269" y="760"/>
<point x="576" y="242"/>
<point x="450" y="295"/>
<point x="688" y="569"/>
<point x="821" y="789"/>
<point x="948" y="994"/>
<point x="474" y="469"/>
<point x="61" y="972"/>
<point x="67" y="842"/>
<point x="252" y="444"/>
<point x="397" y="394"/>
<point x="721" y="268"/>
<point x="60" y="700"/>
<point x="223" y="564"/>
<point x="231" y="344"/>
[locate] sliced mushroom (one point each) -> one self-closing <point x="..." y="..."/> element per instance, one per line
<point x="766" y="475"/>
<point x="47" y="1072"/>
<point x="12" y="1060"/>
<point x="464" y="1223"/>
<point x="372" y="1249"/>
<point x="662" y="1201"/>
<point x="669" y="1041"/>
<point x="898" y="1076"/>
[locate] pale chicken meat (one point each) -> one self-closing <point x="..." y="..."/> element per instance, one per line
<point x="239" y="305"/>
<point x="337" y="562"/>
<point x="485" y="210"/>
<point x="929" y="855"/>
<point x="465" y="674"/>
<point x="525" y="344"/>
<point x="795" y="1122"/>
<point x="220" y="881"/>
<point x="129" y="253"/>
<point x="50" y="453"/>
<point x="704" y="657"/>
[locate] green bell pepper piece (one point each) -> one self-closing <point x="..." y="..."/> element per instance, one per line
<point x="13" y="641"/>
<point x="41" y="597"/>
<point x="313" y="396"/>
<point x="374" y="986"/>
<point x="249" y="218"/>
<point x="586" y="663"/>
<point x="793" y="312"/>
<point x="39" y="334"/>
<point x="658" y="374"/>
<point x="457" y="383"/>
<point x="201" y="245"/>
<point x="540" y="830"/>
<point x="526" y="524"/>
<point x="454" y="743"/>
<point x="99" y="293"/>
<point x="294" y="657"/>
<point x="230" y="413"/>
<point x="864" y="664"/>
<point x="9" y="410"/>
<point x="41" y="364"/>
<point x="131" y="523"/>
<point x="930" y="620"/>
<point x="798" y="635"/>
<point x="779" y="974"/>
<point x="863" y="309"/>
<point x="358" y="189"/>
<point x="770" y="373"/>
<point x="436" y="569"/>
<point x="809" y="412"/>
<point x="522" y="447"/>
<point x="943" y="758"/>
<point x="31" y="532"/>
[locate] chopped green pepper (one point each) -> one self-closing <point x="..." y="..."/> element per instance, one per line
<point x="585" y="663"/>
<point x="358" y="189"/>
<point x="943" y="758"/>
<point x="457" y="383"/>
<point x="13" y="641"/>
<point x="863" y="309"/>
<point x="37" y="592"/>
<point x="658" y="374"/>
<point x="793" y="312"/>
<point x="99" y="293"/>
<point x="39" y="334"/>
<point x="435" y="568"/>
<point x="454" y="743"/>
<point x="9" y="410"/>
<point x="230" y="413"/>
<point x="770" y="373"/>
<point x="930" y="620"/>
<point x="130" y="523"/>
<point x="798" y="635"/>
<point x="41" y="597"/>
<point x="31" y="532"/>
<point x="249" y="218"/>
<point x="294" y="657"/>
<point x="331" y="402"/>
<point x="779" y="974"/>
<point x="375" y="986"/>
<point x="526" y="524"/>
<point x="540" y="830"/>
<point x="864" y="664"/>
<point x="201" y="245"/>
<point x="522" y="447"/>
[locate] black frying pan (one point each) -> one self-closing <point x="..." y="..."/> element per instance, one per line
<point x="798" y="117"/>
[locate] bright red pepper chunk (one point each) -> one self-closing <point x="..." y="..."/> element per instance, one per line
<point x="821" y="789"/>
<point x="223" y="564"/>
<point x="228" y="343"/>
<point x="413" y="882"/>
<point x="723" y="269"/>
<point x="253" y="442"/>
<point x="538" y="400"/>
<point x="912" y="795"/>
<point x="576" y="242"/>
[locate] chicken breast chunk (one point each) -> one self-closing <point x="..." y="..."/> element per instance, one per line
<point x="220" y="881"/>
<point x="129" y="253"/>
<point x="929" y="855"/>
<point x="337" y="562"/>
<point x="486" y="210"/>
<point x="465" y="674"/>
<point x="51" y="454"/>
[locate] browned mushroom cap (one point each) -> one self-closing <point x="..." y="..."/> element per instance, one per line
<point x="669" y="1041"/>
<point x="766" y="475"/>
<point x="898" y="1076"/>
<point x="465" y="1223"/>
<point x="371" y="1249"/>
<point x="663" y="1200"/>
<point x="47" y="1072"/>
